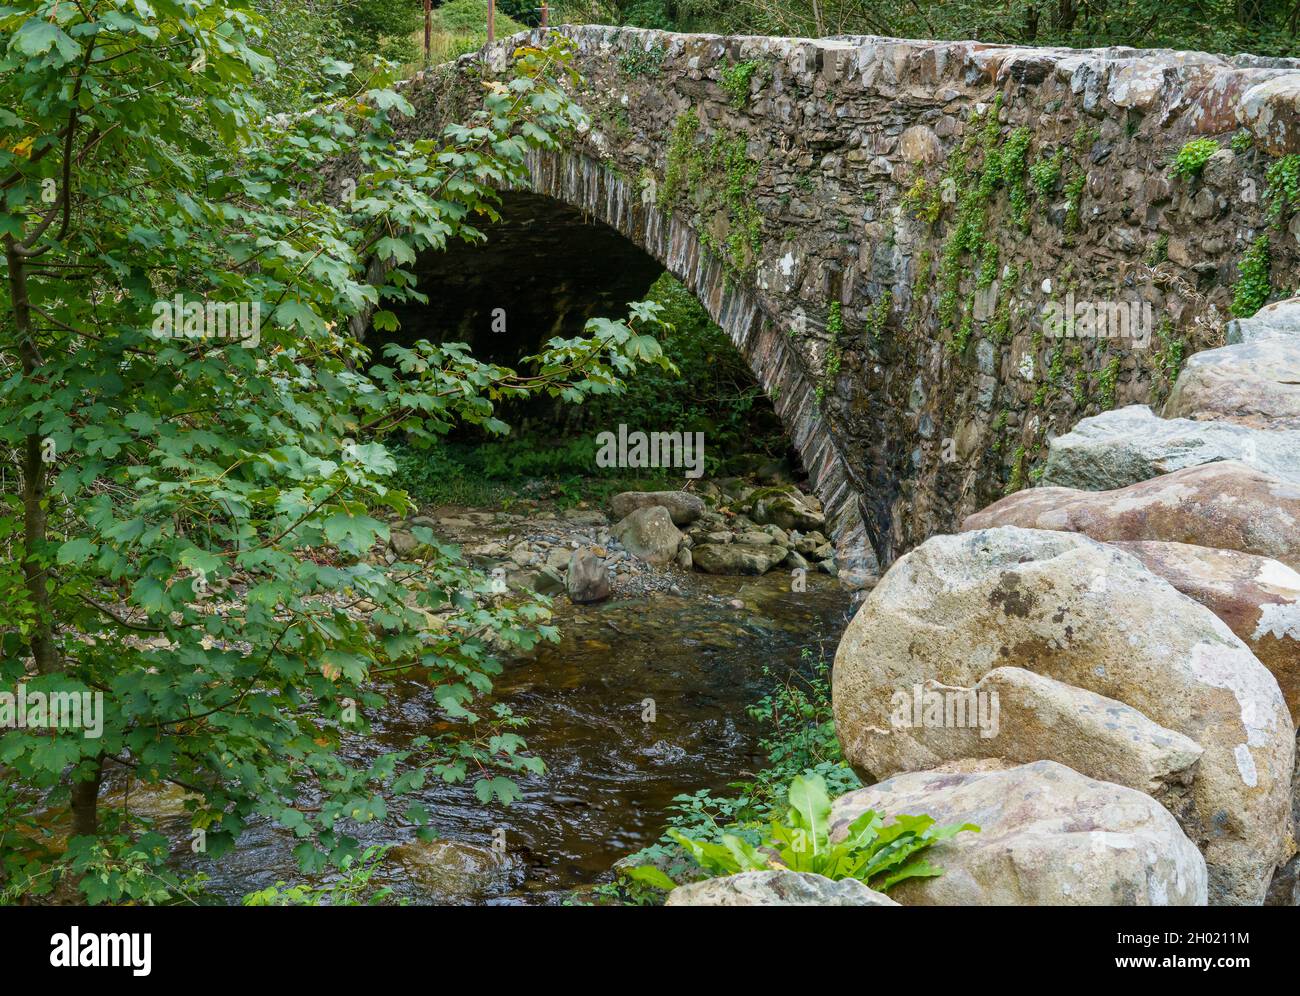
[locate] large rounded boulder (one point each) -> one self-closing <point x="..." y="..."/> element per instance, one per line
<point x="1048" y="837"/>
<point x="1088" y="615"/>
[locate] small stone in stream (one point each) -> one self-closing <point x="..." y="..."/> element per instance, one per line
<point x="588" y="578"/>
<point x="795" y="561"/>
<point x="649" y="534"/>
<point x="828" y="567"/>
<point x="549" y="581"/>
<point x="736" y="603"/>
<point x="557" y="558"/>
<point x="684" y="560"/>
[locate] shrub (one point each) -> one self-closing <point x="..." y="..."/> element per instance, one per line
<point x="871" y="852"/>
<point x="1192" y="157"/>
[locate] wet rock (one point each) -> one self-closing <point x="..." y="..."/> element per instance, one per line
<point x="809" y="543"/>
<point x="776" y="888"/>
<point x="1224" y="505"/>
<point x="557" y="558"/>
<point x="549" y="581"/>
<point x="649" y="534"/>
<point x="1258" y="599"/>
<point x="737" y="558"/>
<point x="1127" y="445"/>
<point x="684" y="559"/>
<point x="1253" y="383"/>
<point x="1049" y="836"/>
<point x="1091" y="616"/>
<point x="448" y="870"/>
<point x="785" y="506"/>
<point x="683" y="507"/>
<point x="587" y="579"/>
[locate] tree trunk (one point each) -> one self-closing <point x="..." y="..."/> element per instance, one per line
<point x="34" y="476"/>
<point x="85" y="802"/>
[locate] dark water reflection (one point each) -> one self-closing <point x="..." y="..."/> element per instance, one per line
<point x="609" y="775"/>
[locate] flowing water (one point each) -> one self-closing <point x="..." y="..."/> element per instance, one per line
<point x="609" y="774"/>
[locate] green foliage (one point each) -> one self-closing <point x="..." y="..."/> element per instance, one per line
<point x="879" y="855"/>
<point x="1242" y="141"/>
<point x="1192" y="157"/>
<point x="1046" y="173"/>
<point x="1253" y="286"/>
<point x="643" y="62"/>
<point x="1107" y="383"/>
<point x="1282" y="187"/>
<point x="1159" y="251"/>
<point x="735" y="79"/>
<point x="1168" y="358"/>
<point x="351" y="887"/>
<point x="1266" y="27"/>
<point x="1074" y="201"/>
<point x="718" y="181"/>
<point x="201" y="539"/>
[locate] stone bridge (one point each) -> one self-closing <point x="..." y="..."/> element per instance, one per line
<point x="885" y="229"/>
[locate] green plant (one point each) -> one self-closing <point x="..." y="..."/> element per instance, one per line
<point x="1192" y="157"/>
<point x="351" y="887"/>
<point x="643" y="62"/>
<point x="1046" y="173"/>
<point x="224" y="498"/>
<point x="1074" y="188"/>
<point x="1107" y="384"/>
<point x="1242" y="141"/>
<point x="1282" y="187"/>
<point x="874" y="853"/>
<point x="1254" y="274"/>
<point x="735" y="79"/>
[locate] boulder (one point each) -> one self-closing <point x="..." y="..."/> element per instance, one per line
<point x="737" y="558"/>
<point x="549" y="581"/>
<point x="587" y="579"/>
<point x="786" y="506"/>
<point x="649" y="534"/>
<point x="1258" y="598"/>
<point x="1253" y="383"/>
<point x="1278" y="320"/>
<point x="1088" y="615"/>
<point x="1226" y="505"/>
<point x="1016" y="715"/>
<point x="1048" y="836"/>
<point x="776" y="888"/>
<point x="683" y="507"/>
<point x="448" y="871"/>
<point x="1127" y="445"/>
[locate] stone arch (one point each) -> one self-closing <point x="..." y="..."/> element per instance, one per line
<point x="579" y="182"/>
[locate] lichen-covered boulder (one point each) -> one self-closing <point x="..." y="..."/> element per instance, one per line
<point x="776" y="888"/>
<point x="1088" y="615"/>
<point x="1225" y="505"/>
<point x="683" y="507"/>
<point x="1258" y="598"/>
<point x="1013" y="714"/>
<point x="587" y="579"/>
<point x="649" y="534"/>
<point x="1048" y="836"/>
<point x="1253" y="383"/>
<point x="737" y="558"/>
<point x="1127" y="445"/>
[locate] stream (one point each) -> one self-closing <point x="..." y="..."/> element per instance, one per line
<point x="609" y="776"/>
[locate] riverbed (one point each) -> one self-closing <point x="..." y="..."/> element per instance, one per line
<point x="693" y="660"/>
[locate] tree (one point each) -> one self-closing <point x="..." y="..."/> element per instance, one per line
<point x="194" y="504"/>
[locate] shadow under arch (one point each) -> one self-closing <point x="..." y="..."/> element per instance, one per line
<point x="593" y="270"/>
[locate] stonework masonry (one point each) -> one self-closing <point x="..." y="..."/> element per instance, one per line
<point x="884" y="227"/>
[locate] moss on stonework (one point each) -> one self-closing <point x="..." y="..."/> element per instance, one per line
<point x="716" y="180"/>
